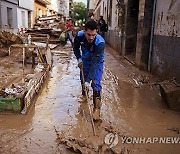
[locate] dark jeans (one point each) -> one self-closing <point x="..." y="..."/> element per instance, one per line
<point x="69" y="37"/>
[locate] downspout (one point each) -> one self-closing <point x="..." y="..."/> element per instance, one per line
<point x="152" y="35"/>
<point x="0" y="15"/>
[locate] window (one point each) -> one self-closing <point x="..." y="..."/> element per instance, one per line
<point x="9" y="17"/>
<point x="29" y="19"/>
<point x="40" y="13"/>
<point x="23" y="18"/>
<point x="37" y="12"/>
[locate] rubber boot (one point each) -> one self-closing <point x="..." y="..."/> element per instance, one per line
<point x="97" y="105"/>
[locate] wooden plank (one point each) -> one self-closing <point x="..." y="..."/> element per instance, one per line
<point x="49" y="57"/>
<point x="40" y="56"/>
<point x="37" y="82"/>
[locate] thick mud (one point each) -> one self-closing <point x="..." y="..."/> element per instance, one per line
<point x="59" y="122"/>
<point x="11" y="67"/>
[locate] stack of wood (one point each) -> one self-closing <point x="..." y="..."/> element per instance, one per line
<point x="8" y="38"/>
<point x="61" y="25"/>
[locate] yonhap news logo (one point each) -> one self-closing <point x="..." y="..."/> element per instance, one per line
<point x="112" y="139"/>
<point x="150" y="140"/>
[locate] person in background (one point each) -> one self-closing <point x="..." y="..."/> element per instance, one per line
<point x="68" y="31"/>
<point x="101" y="24"/>
<point x="91" y="61"/>
<point x="91" y="17"/>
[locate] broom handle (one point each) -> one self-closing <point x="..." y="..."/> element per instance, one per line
<point x="86" y="94"/>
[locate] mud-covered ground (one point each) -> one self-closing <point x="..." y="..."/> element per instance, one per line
<point x="11" y="68"/>
<point x="59" y="122"/>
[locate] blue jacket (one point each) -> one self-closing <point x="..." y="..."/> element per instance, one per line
<point x="92" y="53"/>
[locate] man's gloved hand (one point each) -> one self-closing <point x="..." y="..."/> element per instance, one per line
<point x="80" y="63"/>
<point x="87" y="85"/>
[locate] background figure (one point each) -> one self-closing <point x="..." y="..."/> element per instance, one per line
<point x="68" y="31"/>
<point x="101" y="24"/>
<point x="91" y="17"/>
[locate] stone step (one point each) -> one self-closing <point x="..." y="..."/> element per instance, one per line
<point x="170" y="93"/>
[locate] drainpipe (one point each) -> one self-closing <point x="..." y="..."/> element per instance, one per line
<point x="0" y="15"/>
<point x="152" y="35"/>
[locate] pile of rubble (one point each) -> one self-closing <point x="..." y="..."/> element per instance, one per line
<point x="23" y="69"/>
<point x="8" y="38"/>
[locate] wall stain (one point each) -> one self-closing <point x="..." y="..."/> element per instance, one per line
<point x="161" y="16"/>
<point x="172" y="4"/>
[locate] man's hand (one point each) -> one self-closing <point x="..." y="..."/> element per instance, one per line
<point x="87" y="85"/>
<point x="80" y="63"/>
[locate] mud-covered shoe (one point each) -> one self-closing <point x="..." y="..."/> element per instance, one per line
<point x="97" y="105"/>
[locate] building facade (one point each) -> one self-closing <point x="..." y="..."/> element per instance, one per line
<point x="145" y="32"/>
<point x="24" y="13"/>
<point x="70" y="8"/>
<point x="90" y="5"/>
<point x="64" y="7"/>
<point x="18" y="14"/>
<point x="52" y="8"/>
<point x="8" y="15"/>
<point x="40" y="9"/>
<point x="166" y="44"/>
<point x="113" y="16"/>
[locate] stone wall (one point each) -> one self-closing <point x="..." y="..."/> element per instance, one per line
<point x="113" y="38"/>
<point x="166" y="49"/>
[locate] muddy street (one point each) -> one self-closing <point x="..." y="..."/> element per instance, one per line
<point x="59" y="122"/>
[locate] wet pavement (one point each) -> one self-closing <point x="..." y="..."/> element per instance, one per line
<point x="59" y="122"/>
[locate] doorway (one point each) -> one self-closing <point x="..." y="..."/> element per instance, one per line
<point x="29" y="19"/>
<point x="131" y="30"/>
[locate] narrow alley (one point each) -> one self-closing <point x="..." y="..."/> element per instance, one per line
<point x="89" y="76"/>
<point x="59" y="122"/>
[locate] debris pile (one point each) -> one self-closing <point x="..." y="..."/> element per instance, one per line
<point x="28" y="66"/>
<point x="3" y="52"/>
<point x="83" y="145"/>
<point x="92" y="144"/>
<point x="8" y="38"/>
<point x="14" y="90"/>
<point x="51" y="25"/>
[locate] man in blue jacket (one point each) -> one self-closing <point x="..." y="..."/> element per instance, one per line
<point x="91" y="60"/>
